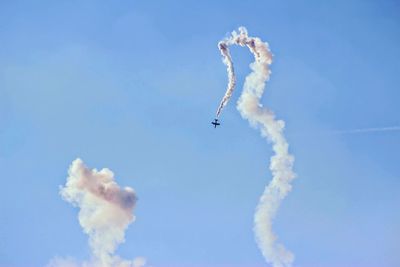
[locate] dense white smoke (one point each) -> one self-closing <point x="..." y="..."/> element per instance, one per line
<point x="282" y="162"/>
<point x="105" y="212"/>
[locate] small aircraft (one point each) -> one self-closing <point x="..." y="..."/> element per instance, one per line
<point x="215" y="123"/>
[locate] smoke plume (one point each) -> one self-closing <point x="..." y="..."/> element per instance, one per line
<point x="105" y="212"/>
<point x="272" y="129"/>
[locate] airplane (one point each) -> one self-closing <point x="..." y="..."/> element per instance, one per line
<point x="215" y="123"/>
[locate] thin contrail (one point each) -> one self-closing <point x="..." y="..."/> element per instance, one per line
<point x="281" y="164"/>
<point x="350" y="131"/>
<point x="367" y="130"/>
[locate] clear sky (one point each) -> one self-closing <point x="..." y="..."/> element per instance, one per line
<point x="134" y="85"/>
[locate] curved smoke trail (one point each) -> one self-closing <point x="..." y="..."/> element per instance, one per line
<point x="282" y="162"/>
<point x="223" y="48"/>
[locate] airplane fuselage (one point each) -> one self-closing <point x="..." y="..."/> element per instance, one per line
<point x="215" y="123"/>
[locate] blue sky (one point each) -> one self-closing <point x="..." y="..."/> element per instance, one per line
<point x="133" y="86"/>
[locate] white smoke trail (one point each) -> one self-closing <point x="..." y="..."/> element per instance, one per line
<point x="223" y="48"/>
<point x="105" y="212"/>
<point x="282" y="162"/>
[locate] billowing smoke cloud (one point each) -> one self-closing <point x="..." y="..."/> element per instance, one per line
<point x="282" y="162"/>
<point x="105" y="212"/>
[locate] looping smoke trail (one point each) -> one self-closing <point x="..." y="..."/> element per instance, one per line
<point x="105" y="212"/>
<point x="282" y="162"/>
